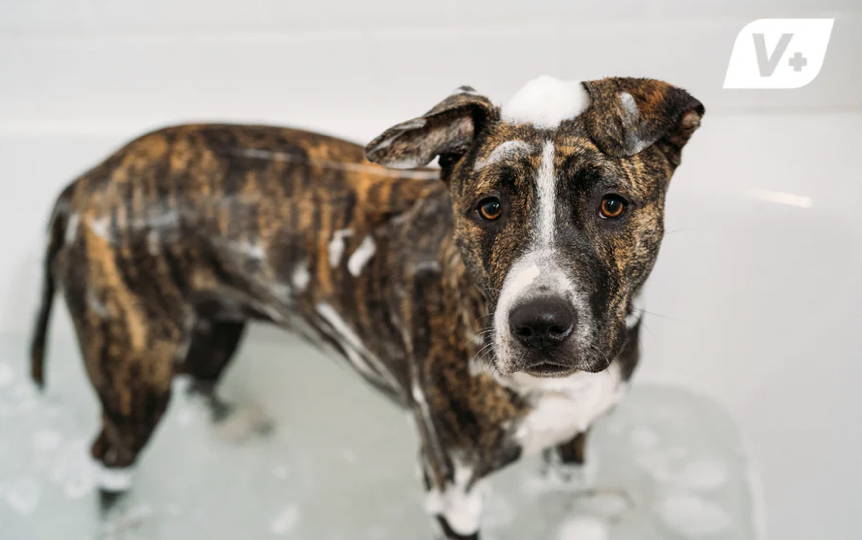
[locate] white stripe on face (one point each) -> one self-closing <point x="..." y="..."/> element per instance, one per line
<point x="539" y="272"/>
<point x="546" y="183"/>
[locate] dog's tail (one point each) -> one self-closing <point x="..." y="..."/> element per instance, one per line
<point x="56" y="237"/>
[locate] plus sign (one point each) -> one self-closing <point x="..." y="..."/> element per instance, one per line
<point x="797" y="62"/>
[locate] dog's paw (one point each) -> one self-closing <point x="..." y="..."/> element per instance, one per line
<point x="558" y="475"/>
<point x="124" y="520"/>
<point x="567" y="475"/>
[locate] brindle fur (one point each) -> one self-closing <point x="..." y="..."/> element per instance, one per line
<point x="166" y="249"/>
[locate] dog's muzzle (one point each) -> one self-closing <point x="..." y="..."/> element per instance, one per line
<point x="542" y="326"/>
<point x="542" y="323"/>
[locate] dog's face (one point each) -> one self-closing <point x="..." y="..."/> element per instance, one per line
<point x="558" y="201"/>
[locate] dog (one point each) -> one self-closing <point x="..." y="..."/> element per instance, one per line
<point x="492" y="296"/>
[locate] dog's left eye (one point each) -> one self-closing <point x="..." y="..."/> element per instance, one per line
<point x="612" y="206"/>
<point x="490" y="208"/>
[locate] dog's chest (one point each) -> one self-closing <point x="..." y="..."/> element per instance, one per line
<point x="560" y="408"/>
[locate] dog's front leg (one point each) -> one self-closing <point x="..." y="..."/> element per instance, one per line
<point x="449" y="534"/>
<point x="456" y="505"/>
<point x="574" y="451"/>
<point x="453" y="492"/>
<point x="566" y="461"/>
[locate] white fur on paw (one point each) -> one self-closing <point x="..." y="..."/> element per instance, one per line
<point x="114" y="479"/>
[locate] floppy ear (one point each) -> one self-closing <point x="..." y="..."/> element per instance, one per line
<point x="446" y="130"/>
<point x="627" y="115"/>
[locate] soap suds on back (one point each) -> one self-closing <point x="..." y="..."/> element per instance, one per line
<point x="301" y="276"/>
<point x="361" y="256"/>
<point x="336" y="246"/>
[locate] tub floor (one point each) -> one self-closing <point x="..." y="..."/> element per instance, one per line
<point x="309" y="452"/>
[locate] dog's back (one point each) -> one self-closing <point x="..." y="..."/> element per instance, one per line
<point x="168" y="247"/>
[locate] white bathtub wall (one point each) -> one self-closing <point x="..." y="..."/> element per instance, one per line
<point x="755" y="299"/>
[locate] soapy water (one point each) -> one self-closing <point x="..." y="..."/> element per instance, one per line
<point x="307" y="451"/>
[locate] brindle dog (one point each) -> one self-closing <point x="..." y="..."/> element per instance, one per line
<point x="492" y="297"/>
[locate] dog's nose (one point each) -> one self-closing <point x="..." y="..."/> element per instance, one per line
<point x="542" y="323"/>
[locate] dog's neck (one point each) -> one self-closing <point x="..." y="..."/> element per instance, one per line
<point x="473" y="306"/>
<point x="432" y="268"/>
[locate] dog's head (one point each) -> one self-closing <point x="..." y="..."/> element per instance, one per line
<point x="558" y="200"/>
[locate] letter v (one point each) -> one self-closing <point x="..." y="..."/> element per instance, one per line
<point x="767" y="63"/>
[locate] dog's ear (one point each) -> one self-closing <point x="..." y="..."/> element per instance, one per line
<point x="446" y="130"/>
<point x="627" y="115"/>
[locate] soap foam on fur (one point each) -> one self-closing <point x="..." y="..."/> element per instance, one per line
<point x="545" y="102"/>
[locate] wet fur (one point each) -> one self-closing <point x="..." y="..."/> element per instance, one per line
<point x="165" y="250"/>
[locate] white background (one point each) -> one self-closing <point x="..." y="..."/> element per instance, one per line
<point x="755" y="300"/>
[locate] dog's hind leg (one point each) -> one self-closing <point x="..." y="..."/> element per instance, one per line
<point x="212" y="346"/>
<point x="134" y="388"/>
<point x="129" y="353"/>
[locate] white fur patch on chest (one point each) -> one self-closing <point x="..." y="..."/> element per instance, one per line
<point x="546" y="101"/>
<point x="563" y="407"/>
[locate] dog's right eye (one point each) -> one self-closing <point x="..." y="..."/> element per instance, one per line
<point x="612" y="206"/>
<point x="490" y="208"/>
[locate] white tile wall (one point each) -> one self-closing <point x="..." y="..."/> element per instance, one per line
<point x="79" y="63"/>
<point x="753" y="302"/>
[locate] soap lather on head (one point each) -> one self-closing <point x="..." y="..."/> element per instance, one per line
<point x="545" y="102"/>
